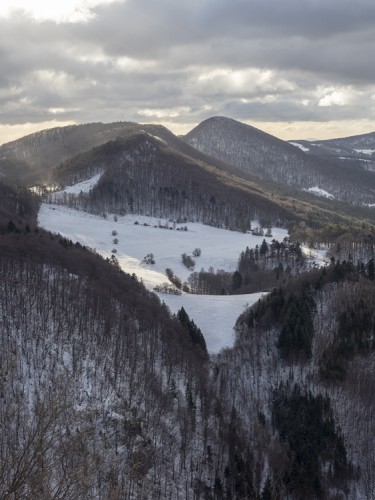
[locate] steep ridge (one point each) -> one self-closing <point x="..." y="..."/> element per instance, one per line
<point x="34" y="154"/>
<point x="28" y="160"/>
<point x="311" y="343"/>
<point x="141" y="174"/>
<point x="269" y="158"/>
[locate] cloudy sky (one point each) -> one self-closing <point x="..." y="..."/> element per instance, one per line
<point x="294" y="68"/>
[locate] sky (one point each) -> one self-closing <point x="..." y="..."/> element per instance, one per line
<point x="298" y="69"/>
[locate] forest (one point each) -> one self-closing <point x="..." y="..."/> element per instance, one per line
<point x="141" y="175"/>
<point x="106" y="394"/>
<point x="258" y="269"/>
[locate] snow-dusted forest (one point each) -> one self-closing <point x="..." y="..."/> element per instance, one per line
<point x="121" y="375"/>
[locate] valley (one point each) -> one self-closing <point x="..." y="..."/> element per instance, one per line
<point x="137" y="236"/>
<point x="111" y="388"/>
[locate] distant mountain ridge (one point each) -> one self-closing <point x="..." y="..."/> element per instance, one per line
<point x="29" y="159"/>
<point x="341" y="167"/>
<point x="73" y="154"/>
<point x="356" y="152"/>
<point x="142" y="174"/>
<point x="269" y="158"/>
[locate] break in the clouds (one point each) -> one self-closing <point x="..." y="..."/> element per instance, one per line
<point x="281" y="66"/>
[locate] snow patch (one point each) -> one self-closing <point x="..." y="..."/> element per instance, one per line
<point x="365" y="151"/>
<point x="320" y="192"/>
<point x="316" y="256"/>
<point x="75" y="189"/>
<point x="155" y="137"/>
<point x="300" y="146"/>
<point x="84" y="186"/>
<point x="215" y="315"/>
<point x="353" y="158"/>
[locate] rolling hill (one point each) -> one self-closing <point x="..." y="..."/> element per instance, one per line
<point x="29" y="159"/>
<point x="269" y="158"/>
<point x="72" y="154"/>
<point x="143" y="174"/>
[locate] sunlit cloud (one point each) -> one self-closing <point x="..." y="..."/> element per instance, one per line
<point x="333" y="99"/>
<point x="42" y="10"/>
<point x="131" y="64"/>
<point x="331" y="96"/>
<point x="164" y="113"/>
<point x="247" y="80"/>
<point x="61" y="111"/>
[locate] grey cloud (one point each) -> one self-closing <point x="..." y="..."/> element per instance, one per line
<point x="139" y="22"/>
<point x="306" y="43"/>
<point x="335" y="39"/>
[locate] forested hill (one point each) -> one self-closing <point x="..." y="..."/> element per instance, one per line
<point x="115" y="399"/>
<point x="105" y="394"/>
<point x="269" y="158"/>
<point x="102" y="393"/>
<point x="341" y="167"/>
<point x="143" y="174"/>
<point x="18" y="204"/>
<point x="29" y="159"/>
<point x="302" y="369"/>
<point x="33" y="159"/>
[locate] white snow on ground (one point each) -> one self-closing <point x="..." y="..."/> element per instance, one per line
<point x="320" y="192"/>
<point x="155" y="137"/>
<point x="84" y="187"/>
<point x="365" y="151"/>
<point x="220" y="248"/>
<point x="316" y="256"/>
<point x="351" y="158"/>
<point x="303" y="148"/>
<point x="214" y="315"/>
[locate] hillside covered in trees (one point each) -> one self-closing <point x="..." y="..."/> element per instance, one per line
<point x="142" y="174"/>
<point x="301" y="375"/>
<point x="105" y="394"/>
<point x="117" y="398"/>
<point x="270" y="158"/>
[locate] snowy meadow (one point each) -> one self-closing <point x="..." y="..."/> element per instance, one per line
<point x="131" y="238"/>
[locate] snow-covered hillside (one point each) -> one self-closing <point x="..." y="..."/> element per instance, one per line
<point x="137" y="237"/>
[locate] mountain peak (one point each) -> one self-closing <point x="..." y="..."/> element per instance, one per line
<point x="262" y="155"/>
